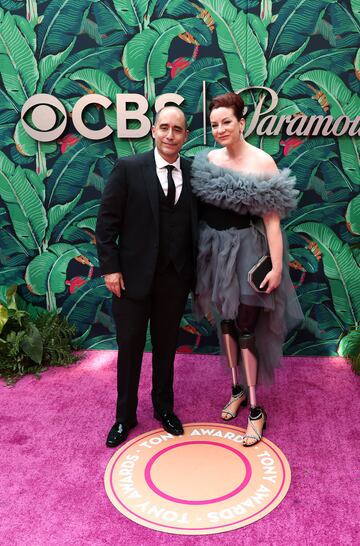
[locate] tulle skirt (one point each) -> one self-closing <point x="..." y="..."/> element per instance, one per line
<point x="224" y="259"/>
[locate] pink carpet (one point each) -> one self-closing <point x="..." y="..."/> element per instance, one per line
<point x="54" y="457"/>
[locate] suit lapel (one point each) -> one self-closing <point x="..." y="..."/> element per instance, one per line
<point x="152" y="183"/>
<point x="186" y="170"/>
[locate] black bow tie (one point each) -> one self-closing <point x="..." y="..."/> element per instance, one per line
<point x="171" y="186"/>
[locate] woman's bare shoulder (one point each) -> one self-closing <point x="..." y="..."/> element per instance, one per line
<point x="264" y="161"/>
<point x="215" y="154"/>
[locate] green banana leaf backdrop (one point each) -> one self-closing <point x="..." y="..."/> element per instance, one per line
<point x="307" y="51"/>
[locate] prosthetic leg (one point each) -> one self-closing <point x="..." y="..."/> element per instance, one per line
<point x="247" y="348"/>
<point x="238" y="395"/>
<point x="257" y="418"/>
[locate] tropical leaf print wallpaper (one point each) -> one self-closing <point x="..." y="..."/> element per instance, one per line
<point x="306" y="51"/>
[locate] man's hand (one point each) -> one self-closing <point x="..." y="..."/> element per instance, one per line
<point x="115" y="283"/>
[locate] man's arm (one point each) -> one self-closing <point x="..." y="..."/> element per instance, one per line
<point x="108" y="228"/>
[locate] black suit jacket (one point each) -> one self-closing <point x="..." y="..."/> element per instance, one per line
<point x="127" y="231"/>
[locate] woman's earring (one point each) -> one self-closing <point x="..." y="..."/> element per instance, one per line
<point x="241" y="135"/>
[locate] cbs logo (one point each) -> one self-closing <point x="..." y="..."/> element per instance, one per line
<point x="46" y="111"/>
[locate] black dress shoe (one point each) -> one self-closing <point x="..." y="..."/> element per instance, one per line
<point x="119" y="432"/>
<point x="170" y="422"/>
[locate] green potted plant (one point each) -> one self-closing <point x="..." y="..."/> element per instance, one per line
<point x="30" y="345"/>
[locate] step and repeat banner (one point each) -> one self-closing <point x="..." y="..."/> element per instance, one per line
<point x="80" y="82"/>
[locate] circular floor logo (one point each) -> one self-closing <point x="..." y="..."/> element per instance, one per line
<point x="203" y="482"/>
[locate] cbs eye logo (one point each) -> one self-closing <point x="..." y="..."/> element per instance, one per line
<point x="44" y="111"/>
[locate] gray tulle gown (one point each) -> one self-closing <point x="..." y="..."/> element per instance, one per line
<point x="226" y="256"/>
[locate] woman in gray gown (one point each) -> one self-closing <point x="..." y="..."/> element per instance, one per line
<point x="242" y="198"/>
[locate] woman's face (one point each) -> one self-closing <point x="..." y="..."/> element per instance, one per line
<point x="226" y="128"/>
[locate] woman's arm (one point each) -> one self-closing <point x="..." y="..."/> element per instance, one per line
<point x="275" y="242"/>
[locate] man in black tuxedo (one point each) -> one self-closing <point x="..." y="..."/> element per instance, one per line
<point x="146" y="241"/>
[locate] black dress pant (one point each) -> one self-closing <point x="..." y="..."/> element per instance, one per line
<point x="163" y="307"/>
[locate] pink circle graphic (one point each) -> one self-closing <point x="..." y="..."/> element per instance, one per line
<point x="241" y="486"/>
<point x="147" y="521"/>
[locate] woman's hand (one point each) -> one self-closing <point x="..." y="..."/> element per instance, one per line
<point x="272" y="280"/>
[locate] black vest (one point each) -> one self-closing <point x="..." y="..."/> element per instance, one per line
<point x="175" y="244"/>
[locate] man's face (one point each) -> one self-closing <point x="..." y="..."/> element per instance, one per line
<point x="170" y="133"/>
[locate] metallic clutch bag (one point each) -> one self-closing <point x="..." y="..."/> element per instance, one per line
<point x="258" y="272"/>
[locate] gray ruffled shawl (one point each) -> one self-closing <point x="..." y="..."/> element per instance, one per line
<point x="243" y="192"/>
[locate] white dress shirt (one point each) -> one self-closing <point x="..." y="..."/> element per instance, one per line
<point x="162" y="173"/>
